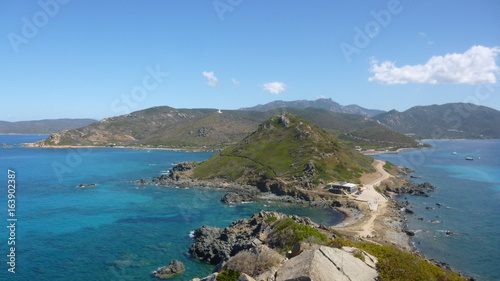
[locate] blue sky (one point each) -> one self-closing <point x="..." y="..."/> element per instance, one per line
<point x="96" y="59"/>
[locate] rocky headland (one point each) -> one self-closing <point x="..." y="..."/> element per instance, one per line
<point x="271" y="246"/>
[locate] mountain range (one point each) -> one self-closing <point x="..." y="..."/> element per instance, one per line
<point x="212" y="129"/>
<point x="322" y="103"/>
<point x="47" y="126"/>
<point x="447" y="121"/>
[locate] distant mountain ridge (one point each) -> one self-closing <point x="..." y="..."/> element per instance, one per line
<point x="447" y="121"/>
<point x="322" y="103"/>
<point x="46" y="126"/>
<point x="210" y="129"/>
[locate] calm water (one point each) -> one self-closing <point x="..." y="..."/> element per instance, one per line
<point x="113" y="231"/>
<point x="469" y="192"/>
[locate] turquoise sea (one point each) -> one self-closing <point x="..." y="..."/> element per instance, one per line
<point x="469" y="194"/>
<point x="113" y="231"/>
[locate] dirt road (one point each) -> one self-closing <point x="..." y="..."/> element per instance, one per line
<point x="369" y="194"/>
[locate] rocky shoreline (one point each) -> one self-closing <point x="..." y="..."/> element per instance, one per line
<point x="252" y="249"/>
<point x="394" y="230"/>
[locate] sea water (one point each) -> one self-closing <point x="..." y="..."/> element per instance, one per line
<point x="468" y="209"/>
<point x="116" y="230"/>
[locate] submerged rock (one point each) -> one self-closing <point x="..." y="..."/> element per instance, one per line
<point x="84" y="185"/>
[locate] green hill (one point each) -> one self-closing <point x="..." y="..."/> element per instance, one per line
<point x="447" y="121"/>
<point x="210" y="129"/>
<point x="286" y="151"/>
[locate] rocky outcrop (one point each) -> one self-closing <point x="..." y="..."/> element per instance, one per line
<point x="403" y="186"/>
<point x="319" y="263"/>
<point x="245" y="247"/>
<point x="327" y="264"/>
<point x="260" y="263"/>
<point x="235" y="198"/>
<point x="184" y="166"/>
<point x="214" y="245"/>
<point x="175" y="267"/>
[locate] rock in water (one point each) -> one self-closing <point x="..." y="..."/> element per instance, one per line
<point x="84" y="185"/>
<point x="232" y="197"/>
<point x="175" y="267"/>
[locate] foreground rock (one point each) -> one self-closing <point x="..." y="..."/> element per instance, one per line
<point x="175" y="267"/>
<point x="327" y="264"/>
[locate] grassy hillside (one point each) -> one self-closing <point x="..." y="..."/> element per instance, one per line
<point x="285" y="150"/>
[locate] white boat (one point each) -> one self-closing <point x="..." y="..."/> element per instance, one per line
<point x="454" y="153"/>
<point x="469" y="158"/>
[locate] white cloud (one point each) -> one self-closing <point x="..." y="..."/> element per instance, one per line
<point x="421" y="34"/>
<point x="274" y="87"/>
<point x="476" y="66"/>
<point x="235" y="82"/>
<point x="212" y="80"/>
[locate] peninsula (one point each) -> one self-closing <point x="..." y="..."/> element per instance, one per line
<point x="291" y="159"/>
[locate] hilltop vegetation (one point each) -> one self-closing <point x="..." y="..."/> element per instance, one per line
<point x="286" y="151"/>
<point x="210" y="129"/>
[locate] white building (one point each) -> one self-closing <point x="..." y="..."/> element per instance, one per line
<point x="338" y="187"/>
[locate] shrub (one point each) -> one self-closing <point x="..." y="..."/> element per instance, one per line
<point x="394" y="264"/>
<point x="287" y="233"/>
<point x="253" y="263"/>
<point x="271" y="219"/>
<point x="359" y="254"/>
<point x="340" y="242"/>
<point x="228" y="275"/>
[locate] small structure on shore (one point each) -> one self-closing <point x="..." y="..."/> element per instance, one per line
<point x="339" y="187"/>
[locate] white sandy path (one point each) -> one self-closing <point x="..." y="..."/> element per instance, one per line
<point x="369" y="195"/>
<point x="373" y="198"/>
